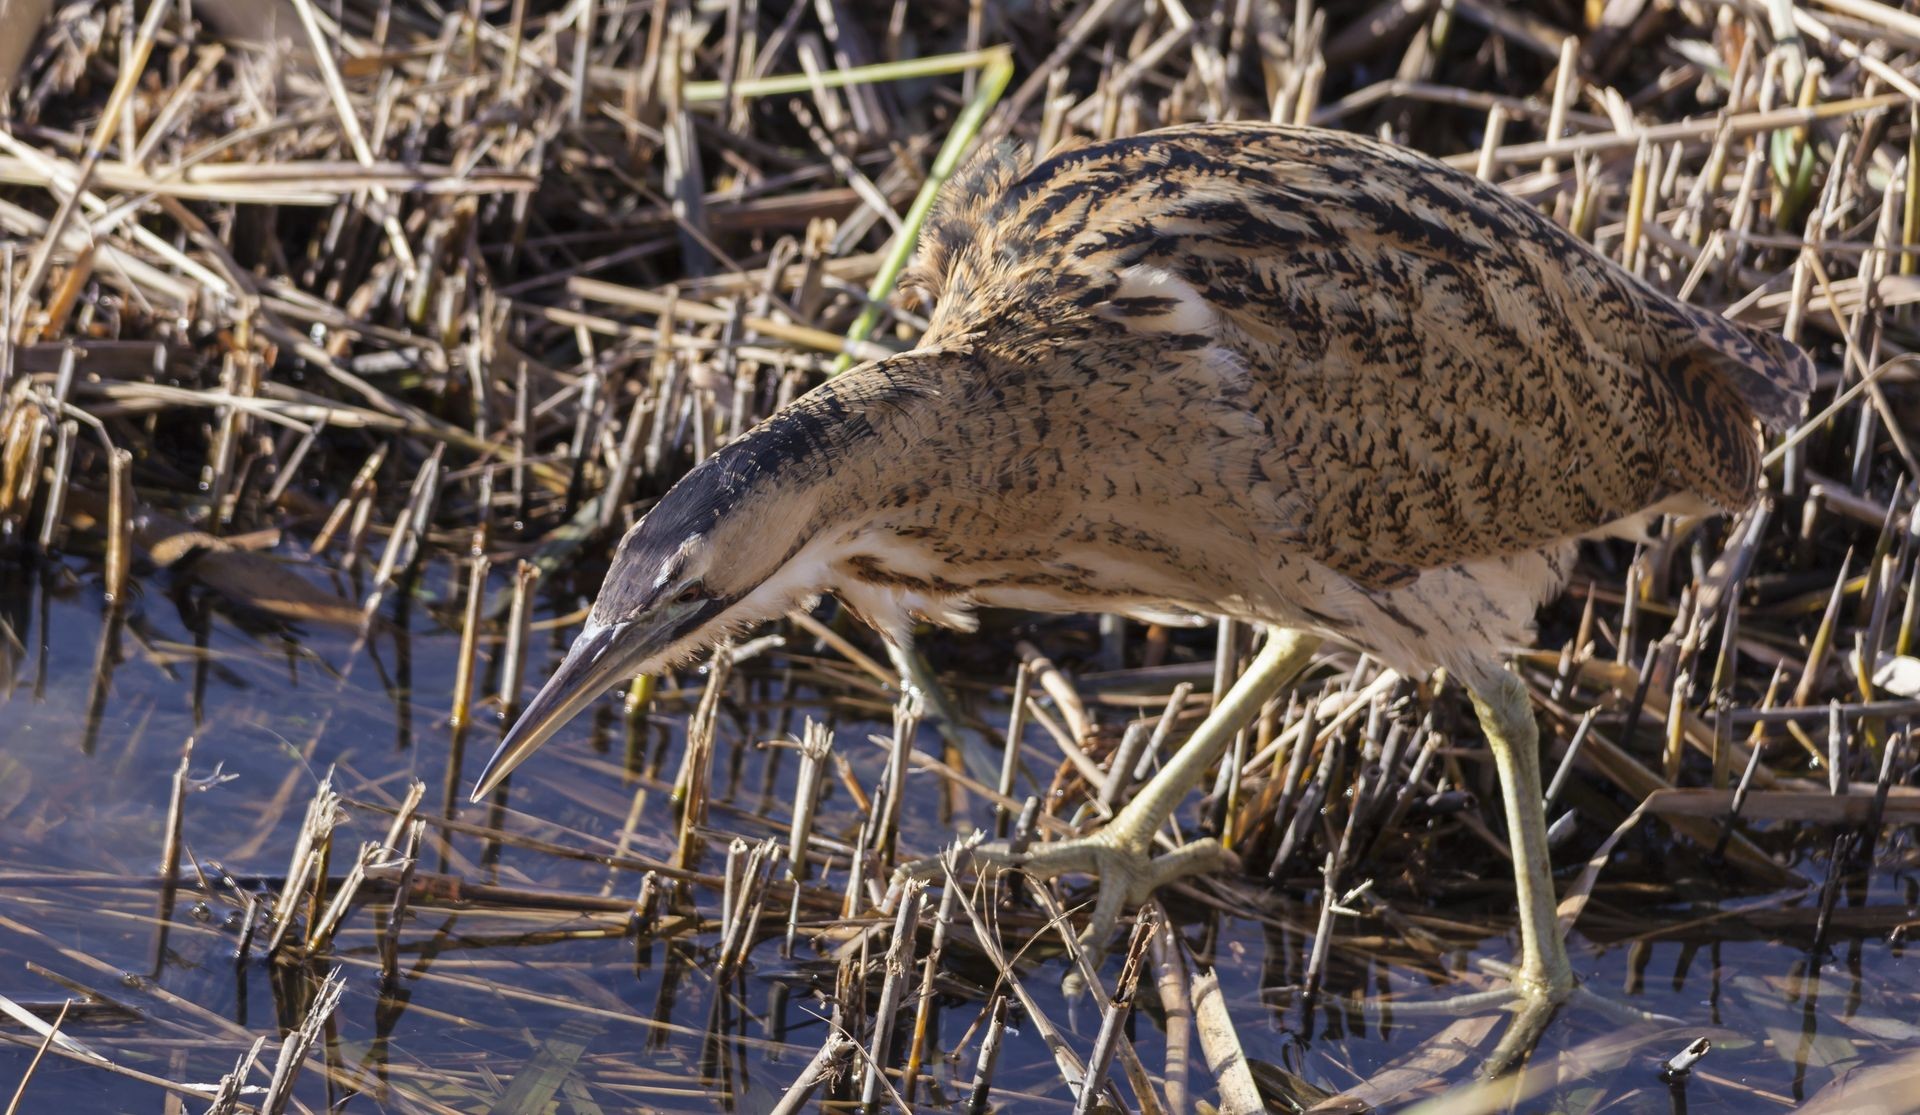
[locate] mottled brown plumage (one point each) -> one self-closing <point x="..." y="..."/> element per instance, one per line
<point x="1294" y="375"/>
<point x="1290" y="376"/>
<point x="1446" y="375"/>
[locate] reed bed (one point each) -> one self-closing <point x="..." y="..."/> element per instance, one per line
<point x="358" y="331"/>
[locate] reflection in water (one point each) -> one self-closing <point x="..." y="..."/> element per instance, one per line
<point x="551" y="944"/>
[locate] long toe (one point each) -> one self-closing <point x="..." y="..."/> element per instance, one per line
<point x="1531" y="1012"/>
<point x="1533" y="1004"/>
<point x="1202" y="857"/>
<point x="1127" y="875"/>
<point x="1043" y="861"/>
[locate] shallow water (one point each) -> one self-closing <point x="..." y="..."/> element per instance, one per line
<point x="494" y="993"/>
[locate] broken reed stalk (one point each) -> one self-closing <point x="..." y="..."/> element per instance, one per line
<point x="295" y="1046"/>
<point x="1171" y="982"/>
<point x="226" y="1097"/>
<point x="417" y="515"/>
<point x="906" y="721"/>
<point x="519" y="618"/>
<point x="979" y="1097"/>
<point x="923" y="1011"/>
<point x="1239" y="1095"/>
<point x="816" y="744"/>
<point x="742" y="902"/>
<point x="1010" y="747"/>
<point x="469" y="645"/>
<point x="1323" y="931"/>
<point x="730" y="887"/>
<point x="176" y="818"/>
<point x="756" y="901"/>
<point x="363" y="482"/>
<point x="50" y="523"/>
<point x="408" y="856"/>
<point x="837" y="1048"/>
<point x="119" y="524"/>
<point x="306" y="875"/>
<point x="691" y="785"/>
<point x="1119" y="1006"/>
<point x="892" y="987"/>
<point x="321" y="930"/>
<point x="170" y="859"/>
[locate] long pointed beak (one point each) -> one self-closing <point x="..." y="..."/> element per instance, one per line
<point x="597" y="661"/>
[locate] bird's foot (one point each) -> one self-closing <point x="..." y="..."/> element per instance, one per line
<point x="1121" y="855"/>
<point x="1533" y="999"/>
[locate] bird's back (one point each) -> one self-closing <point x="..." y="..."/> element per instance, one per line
<point x="1434" y="372"/>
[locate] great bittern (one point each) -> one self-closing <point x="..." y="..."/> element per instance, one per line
<point x="1290" y="376"/>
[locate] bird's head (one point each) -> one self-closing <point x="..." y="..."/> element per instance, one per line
<point x="725" y="549"/>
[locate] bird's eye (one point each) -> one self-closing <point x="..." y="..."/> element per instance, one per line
<point x="692" y="594"/>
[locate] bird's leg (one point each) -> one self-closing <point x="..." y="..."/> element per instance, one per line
<point x="917" y="677"/>
<point x="1121" y="851"/>
<point x="1544" y="978"/>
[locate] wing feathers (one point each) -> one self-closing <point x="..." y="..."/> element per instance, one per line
<point x="1432" y="371"/>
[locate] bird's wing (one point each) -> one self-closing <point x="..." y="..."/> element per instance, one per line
<point x="1441" y="373"/>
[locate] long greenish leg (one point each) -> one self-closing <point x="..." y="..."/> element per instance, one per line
<point x="917" y="677"/>
<point x="1544" y="977"/>
<point x="1282" y="659"/>
<point x="1121" y="851"/>
<point x="1506" y="716"/>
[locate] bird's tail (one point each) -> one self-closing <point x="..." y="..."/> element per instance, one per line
<point x="1769" y="373"/>
<point x="1723" y="362"/>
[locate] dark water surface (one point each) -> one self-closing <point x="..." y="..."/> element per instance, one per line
<point x="492" y="994"/>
